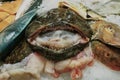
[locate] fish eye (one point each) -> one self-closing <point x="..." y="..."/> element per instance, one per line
<point x="110" y="28"/>
<point x="107" y="54"/>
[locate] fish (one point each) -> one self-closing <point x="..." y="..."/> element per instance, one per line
<point x="64" y="40"/>
<point x="11" y="33"/>
<point x="107" y="32"/>
<point x="108" y="55"/>
<point x="103" y="32"/>
<point x="47" y="23"/>
<point x="16" y="31"/>
<point x="26" y="4"/>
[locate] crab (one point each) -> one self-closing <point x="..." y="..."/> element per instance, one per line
<point x="69" y="38"/>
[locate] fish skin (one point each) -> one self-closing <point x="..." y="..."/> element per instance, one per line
<point x="17" y="44"/>
<point x="10" y="35"/>
<point x="108" y="55"/>
<point x="21" y="51"/>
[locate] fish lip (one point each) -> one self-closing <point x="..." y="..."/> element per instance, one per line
<point x="58" y="26"/>
<point x="64" y="52"/>
<point x="61" y="55"/>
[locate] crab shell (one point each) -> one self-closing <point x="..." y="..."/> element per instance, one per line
<point x="64" y="20"/>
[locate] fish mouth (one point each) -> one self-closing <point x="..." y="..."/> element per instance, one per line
<point x="58" y="41"/>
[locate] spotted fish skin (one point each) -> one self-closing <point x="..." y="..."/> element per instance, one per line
<point x="108" y="55"/>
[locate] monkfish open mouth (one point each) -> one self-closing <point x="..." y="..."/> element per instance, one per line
<point x="58" y="41"/>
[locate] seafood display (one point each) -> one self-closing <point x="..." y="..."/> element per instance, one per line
<point x="68" y="39"/>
